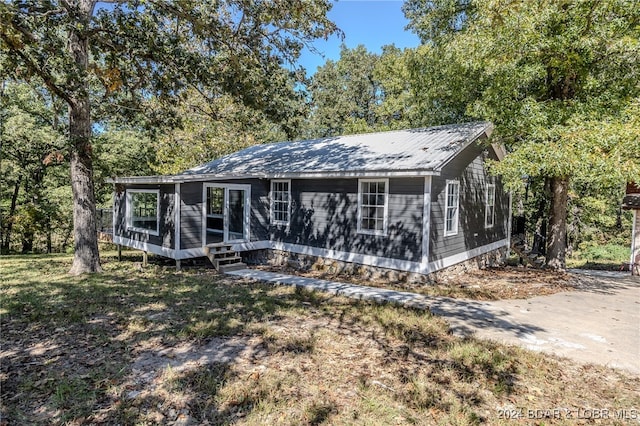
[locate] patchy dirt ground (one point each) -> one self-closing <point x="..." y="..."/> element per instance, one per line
<point x="485" y="284"/>
<point x="152" y="346"/>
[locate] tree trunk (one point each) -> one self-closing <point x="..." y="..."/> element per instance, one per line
<point x="6" y="246"/>
<point x="557" y="235"/>
<point x="86" y="257"/>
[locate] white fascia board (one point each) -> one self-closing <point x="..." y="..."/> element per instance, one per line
<point x="142" y="179"/>
<point x="355" y="174"/>
<point x="306" y="175"/>
<point x="488" y="129"/>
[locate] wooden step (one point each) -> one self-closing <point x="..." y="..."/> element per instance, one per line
<point x="218" y="262"/>
<point x="232" y="267"/>
<point x="218" y="249"/>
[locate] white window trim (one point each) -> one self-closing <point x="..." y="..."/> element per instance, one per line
<point x="386" y="208"/>
<point x="129" y="216"/>
<point x="454" y="231"/>
<point x="247" y="211"/>
<point x="490" y="213"/>
<point x="271" y="202"/>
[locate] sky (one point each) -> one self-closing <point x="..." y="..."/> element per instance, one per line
<point x="373" y="23"/>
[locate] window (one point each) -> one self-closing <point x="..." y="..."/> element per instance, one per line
<point x="490" y="206"/>
<point x="143" y="207"/>
<point x="372" y="206"/>
<point x="451" y="208"/>
<point x="215" y="212"/>
<point x="280" y="202"/>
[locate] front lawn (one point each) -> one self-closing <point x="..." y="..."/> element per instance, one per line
<point x="154" y="346"/>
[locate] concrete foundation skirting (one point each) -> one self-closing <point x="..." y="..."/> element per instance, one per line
<point x="307" y="262"/>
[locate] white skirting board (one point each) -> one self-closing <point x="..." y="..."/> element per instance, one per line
<point x="369" y="260"/>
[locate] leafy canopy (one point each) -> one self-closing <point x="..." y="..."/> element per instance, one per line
<point x="560" y="79"/>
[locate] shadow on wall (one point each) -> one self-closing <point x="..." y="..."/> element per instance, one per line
<point x="472" y="232"/>
<point x="330" y="221"/>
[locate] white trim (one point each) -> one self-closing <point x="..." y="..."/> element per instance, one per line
<point x="177" y="216"/>
<point x="272" y="219"/>
<point x="142" y="245"/>
<point x="488" y="225"/>
<point x="115" y="213"/>
<point x="634" y="237"/>
<point x="378" y="261"/>
<point x="487" y="131"/>
<point x="127" y="211"/>
<point x="302" y="175"/>
<point x="385" y="262"/>
<point x="469" y="254"/>
<point x="509" y="223"/>
<point x="252" y="245"/>
<point x="191" y="253"/>
<point x="385" y="219"/>
<point x="364" y="259"/>
<point x="426" y="222"/>
<point x="453" y="231"/>
<point x="247" y="210"/>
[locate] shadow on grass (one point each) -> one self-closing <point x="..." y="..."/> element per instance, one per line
<point x="86" y="349"/>
<point x="69" y="342"/>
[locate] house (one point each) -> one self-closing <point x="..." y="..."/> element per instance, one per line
<point x="631" y="202"/>
<point x="413" y="200"/>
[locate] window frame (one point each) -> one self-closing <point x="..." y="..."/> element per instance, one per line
<point x="385" y="217"/>
<point x="208" y="215"/>
<point x="490" y="206"/>
<point x="272" y="202"/>
<point x="456" y="218"/>
<point x="129" y="212"/>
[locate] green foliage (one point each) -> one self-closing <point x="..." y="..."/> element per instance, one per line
<point x="359" y="93"/>
<point x="108" y="63"/>
<point x="613" y="252"/>
<point x="210" y="129"/>
<point x="32" y="147"/>
<point x="559" y="80"/>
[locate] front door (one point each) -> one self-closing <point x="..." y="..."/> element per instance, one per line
<point x="226" y="213"/>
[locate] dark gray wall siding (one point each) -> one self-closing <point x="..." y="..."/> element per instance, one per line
<point x="191" y="215"/>
<point x="192" y="205"/>
<point x="325" y="211"/>
<point x="469" y="168"/>
<point x="166" y="226"/>
<point x="260" y="209"/>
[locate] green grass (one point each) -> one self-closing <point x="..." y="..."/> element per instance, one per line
<point x="98" y="349"/>
<point x="608" y="256"/>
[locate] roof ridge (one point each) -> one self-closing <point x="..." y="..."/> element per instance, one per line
<point x="379" y="132"/>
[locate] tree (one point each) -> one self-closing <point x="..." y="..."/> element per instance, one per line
<point x="211" y="128"/>
<point x="360" y="92"/>
<point x="558" y="78"/>
<point x="32" y="141"/>
<point x="344" y="94"/>
<point x="136" y="50"/>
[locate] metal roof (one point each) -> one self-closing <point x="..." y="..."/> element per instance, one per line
<point x="404" y="150"/>
<point x="414" y="152"/>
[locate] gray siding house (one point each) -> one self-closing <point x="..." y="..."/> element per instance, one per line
<point x="413" y="200"/>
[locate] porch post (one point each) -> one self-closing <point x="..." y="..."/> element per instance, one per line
<point x="177" y="223"/>
<point x="635" y="245"/>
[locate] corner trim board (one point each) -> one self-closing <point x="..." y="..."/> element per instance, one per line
<point x="177" y="221"/>
<point x="426" y="223"/>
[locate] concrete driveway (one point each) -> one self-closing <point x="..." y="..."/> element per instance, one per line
<point x="599" y="323"/>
